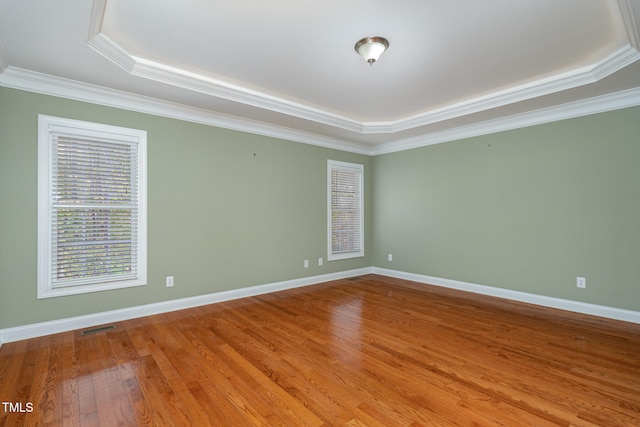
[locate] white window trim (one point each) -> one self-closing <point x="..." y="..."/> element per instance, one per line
<point x="331" y="165"/>
<point x="47" y="126"/>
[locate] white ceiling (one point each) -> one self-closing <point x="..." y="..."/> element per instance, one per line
<point x="289" y="68"/>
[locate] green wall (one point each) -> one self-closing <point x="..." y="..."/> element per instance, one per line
<point x="526" y="210"/>
<point x="226" y="209"/>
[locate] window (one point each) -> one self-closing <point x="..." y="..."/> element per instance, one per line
<point x="345" y="210"/>
<point x="91" y="207"/>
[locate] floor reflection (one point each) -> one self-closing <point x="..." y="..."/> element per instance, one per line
<point x="346" y="330"/>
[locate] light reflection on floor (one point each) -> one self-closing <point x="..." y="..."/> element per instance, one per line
<point x="346" y="330"/>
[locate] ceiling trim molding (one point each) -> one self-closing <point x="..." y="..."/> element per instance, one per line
<point x="31" y="81"/>
<point x="100" y="43"/>
<point x="205" y="85"/>
<point x="155" y="71"/>
<point x="629" y="21"/>
<point x="568" y="80"/>
<point x="162" y="73"/>
<point x="595" y="105"/>
<point x="113" y="52"/>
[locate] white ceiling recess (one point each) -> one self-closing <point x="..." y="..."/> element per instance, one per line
<point x="453" y="69"/>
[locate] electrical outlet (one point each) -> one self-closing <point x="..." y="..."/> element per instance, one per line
<point x="306" y="263"/>
<point x="169" y="281"/>
<point x="390" y="257"/>
<point x="581" y="282"/>
<point x="320" y="262"/>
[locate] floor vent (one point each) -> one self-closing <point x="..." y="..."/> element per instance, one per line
<point x="353" y="279"/>
<point x="98" y="329"/>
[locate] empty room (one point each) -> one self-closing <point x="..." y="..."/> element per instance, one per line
<point x="418" y="213"/>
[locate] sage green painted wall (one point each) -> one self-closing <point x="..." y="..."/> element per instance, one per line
<point x="527" y="210"/>
<point x="219" y="217"/>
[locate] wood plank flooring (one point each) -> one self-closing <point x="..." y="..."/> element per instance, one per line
<point x="374" y="351"/>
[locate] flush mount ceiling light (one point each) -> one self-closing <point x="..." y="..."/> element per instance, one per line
<point x="370" y="48"/>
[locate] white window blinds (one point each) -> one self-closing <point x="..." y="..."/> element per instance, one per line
<point x="94" y="209"/>
<point x="346" y="236"/>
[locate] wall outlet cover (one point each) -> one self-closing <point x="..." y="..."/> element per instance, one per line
<point x="581" y="282"/>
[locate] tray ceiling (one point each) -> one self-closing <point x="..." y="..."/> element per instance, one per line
<point x="293" y="68"/>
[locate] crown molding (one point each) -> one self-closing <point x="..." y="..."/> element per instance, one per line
<point x="102" y="44"/>
<point x="628" y="18"/>
<point x="218" y="88"/>
<point x="585" y="107"/>
<point x="163" y="73"/>
<point x="31" y="81"/>
<point x="560" y="82"/>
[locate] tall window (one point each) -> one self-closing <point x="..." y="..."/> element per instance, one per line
<point x="91" y="207"/>
<point x="345" y="210"/>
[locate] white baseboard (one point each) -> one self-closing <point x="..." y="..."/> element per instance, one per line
<point x="80" y="322"/>
<point x="562" y="304"/>
<point x="89" y="320"/>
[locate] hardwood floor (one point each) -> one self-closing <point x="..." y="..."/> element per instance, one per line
<point x="372" y="351"/>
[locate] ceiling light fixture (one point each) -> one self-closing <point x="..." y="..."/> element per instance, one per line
<point x="371" y="48"/>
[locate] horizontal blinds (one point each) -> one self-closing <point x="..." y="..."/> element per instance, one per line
<point x="94" y="192"/>
<point x="345" y="210"/>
